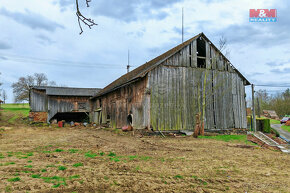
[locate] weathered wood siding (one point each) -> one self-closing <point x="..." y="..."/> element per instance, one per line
<point x="117" y="104"/>
<point x="38" y="101"/>
<point x="177" y="95"/>
<point x="177" y="92"/>
<point x="63" y="104"/>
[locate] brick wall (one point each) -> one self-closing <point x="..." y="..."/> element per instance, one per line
<point x="38" y="116"/>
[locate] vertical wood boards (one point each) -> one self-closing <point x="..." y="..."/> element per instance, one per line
<point x="177" y="91"/>
<point x="193" y="54"/>
<point x="207" y="60"/>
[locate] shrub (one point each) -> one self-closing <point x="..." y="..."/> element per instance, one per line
<point x="263" y="125"/>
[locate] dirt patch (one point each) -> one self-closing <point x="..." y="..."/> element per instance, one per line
<point x="277" y="139"/>
<point x="261" y="143"/>
<point x="102" y="160"/>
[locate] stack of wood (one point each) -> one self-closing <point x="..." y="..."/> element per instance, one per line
<point x="270" y="114"/>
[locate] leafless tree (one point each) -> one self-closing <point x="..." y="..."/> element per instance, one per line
<point x="81" y="18"/>
<point x="223" y="46"/>
<point x="4" y="96"/>
<point x="22" y="86"/>
<point x="40" y="79"/>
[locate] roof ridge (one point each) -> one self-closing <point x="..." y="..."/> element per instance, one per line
<point x="145" y="67"/>
<point x="62" y="87"/>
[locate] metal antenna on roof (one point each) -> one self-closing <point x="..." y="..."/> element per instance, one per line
<point x="128" y="66"/>
<point x="182" y="24"/>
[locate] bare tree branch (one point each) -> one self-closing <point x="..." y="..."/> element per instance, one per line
<point x="23" y="85"/>
<point x="223" y="46"/>
<point x="87" y="21"/>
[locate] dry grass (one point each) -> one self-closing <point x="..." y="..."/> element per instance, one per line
<point x="89" y="160"/>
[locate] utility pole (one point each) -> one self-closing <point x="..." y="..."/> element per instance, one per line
<point x="253" y="109"/>
<point x="128" y="66"/>
<point x="182" y="24"/>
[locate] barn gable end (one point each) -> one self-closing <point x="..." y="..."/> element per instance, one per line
<point x="193" y="77"/>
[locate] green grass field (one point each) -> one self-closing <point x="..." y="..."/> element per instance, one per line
<point x="286" y="128"/>
<point x="13" y="114"/>
<point x="16" y="108"/>
<point x="273" y="121"/>
<point x="229" y="138"/>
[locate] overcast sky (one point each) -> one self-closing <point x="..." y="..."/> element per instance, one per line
<point x="43" y="36"/>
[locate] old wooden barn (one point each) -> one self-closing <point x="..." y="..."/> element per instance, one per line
<point x="167" y="92"/>
<point x="60" y="103"/>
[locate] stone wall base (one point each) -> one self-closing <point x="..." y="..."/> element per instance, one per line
<point x="38" y="117"/>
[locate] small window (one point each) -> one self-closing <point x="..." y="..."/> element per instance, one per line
<point x="82" y="106"/>
<point x="201" y="52"/>
<point x="201" y="63"/>
<point x="201" y="47"/>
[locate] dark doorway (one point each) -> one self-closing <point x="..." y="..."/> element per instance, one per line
<point x="129" y="119"/>
<point x="72" y="116"/>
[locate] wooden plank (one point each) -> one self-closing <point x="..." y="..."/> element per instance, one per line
<point x="230" y="102"/>
<point x="194" y="55"/>
<point x="207" y="60"/>
<point x="184" y="98"/>
<point x="186" y="54"/>
<point x="175" y="83"/>
<point x="214" y="58"/>
<point x="169" y="98"/>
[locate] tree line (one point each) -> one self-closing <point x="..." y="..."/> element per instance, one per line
<point x="279" y="102"/>
<point x="24" y="84"/>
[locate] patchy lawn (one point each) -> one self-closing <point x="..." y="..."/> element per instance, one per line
<point x="89" y="160"/>
<point x="13" y="114"/>
<point x="16" y="108"/>
<point x="285" y="127"/>
<point x="228" y="138"/>
<point x="274" y="121"/>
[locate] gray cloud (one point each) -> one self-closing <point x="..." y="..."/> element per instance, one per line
<point x="3" y="58"/>
<point x="253" y="74"/>
<point x="44" y="39"/>
<point x="32" y="20"/>
<point x="275" y="63"/>
<point x="128" y="11"/>
<point x="138" y="34"/>
<point x="256" y="33"/>
<point x="4" y="46"/>
<point x="281" y="71"/>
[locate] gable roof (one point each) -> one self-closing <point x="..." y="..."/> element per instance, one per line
<point x="68" y="91"/>
<point x="142" y="70"/>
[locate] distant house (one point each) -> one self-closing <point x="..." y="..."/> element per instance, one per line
<point x="60" y="103"/>
<point x="167" y="92"/>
